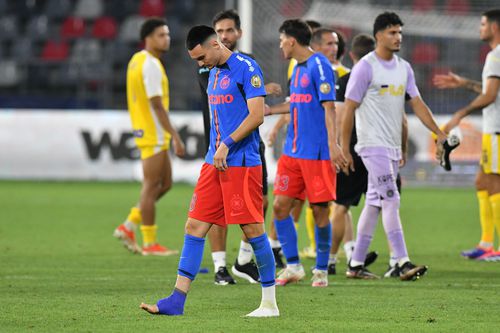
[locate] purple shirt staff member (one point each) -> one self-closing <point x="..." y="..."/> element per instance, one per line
<point x="376" y="90"/>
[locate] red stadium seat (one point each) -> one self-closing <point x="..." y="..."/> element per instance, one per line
<point x="457" y="7"/>
<point x="104" y="28"/>
<point x="483" y="52"/>
<point x="152" y="8"/>
<point x="423" y="5"/>
<point x="425" y="53"/>
<point x="73" y="27"/>
<point x="55" y="51"/>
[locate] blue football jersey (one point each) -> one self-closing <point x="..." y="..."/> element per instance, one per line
<point x="312" y="83"/>
<point x="229" y="87"/>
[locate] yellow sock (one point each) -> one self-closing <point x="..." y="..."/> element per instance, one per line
<point x="495" y="210"/>
<point x="485" y="217"/>
<point x="310" y="227"/>
<point x="148" y="234"/>
<point x="135" y="215"/>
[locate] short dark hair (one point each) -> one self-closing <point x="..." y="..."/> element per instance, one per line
<point x="493" y="15"/>
<point x="317" y="35"/>
<point x="297" y="29"/>
<point x="385" y="20"/>
<point x="342" y="44"/>
<point x="150" y="25"/>
<point x="198" y="35"/>
<point x="230" y="14"/>
<point x="362" y="44"/>
<point x="313" y="24"/>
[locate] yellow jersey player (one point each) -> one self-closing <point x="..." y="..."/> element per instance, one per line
<point x="148" y="104"/>
<point x="488" y="176"/>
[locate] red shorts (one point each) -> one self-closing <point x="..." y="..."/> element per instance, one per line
<point x="230" y="197"/>
<point x="298" y="178"/>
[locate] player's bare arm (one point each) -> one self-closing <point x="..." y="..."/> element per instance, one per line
<point x="423" y="113"/>
<point x="282" y="108"/>
<point x="339" y="114"/>
<point x="404" y="141"/>
<point x="273" y="88"/>
<point x="282" y="121"/>
<point x="480" y="102"/>
<point x="254" y="119"/>
<point x="336" y="157"/>
<point x="453" y="81"/>
<point x="162" y="115"/>
<point x="346" y="129"/>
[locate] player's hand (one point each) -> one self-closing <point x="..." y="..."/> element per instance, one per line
<point x="348" y="166"/>
<point x="220" y="157"/>
<point x="447" y="81"/>
<point x="337" y="157"/>
<point x="441" y="139"/>
<point x="273" y="88"/>
<point x="267" y="110"/>
<point x="453" y="122"/>
<point x="271" y="137"/>
<point x="404" y="158"/>
<point x="179" y="148"/>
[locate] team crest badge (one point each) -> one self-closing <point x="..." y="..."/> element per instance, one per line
<point x="224" y="83"/>
<point x="325" y="88"/>
<point x="304" y="81"/>
<point x="237" y="202"/>
<point x="255" y="81"/>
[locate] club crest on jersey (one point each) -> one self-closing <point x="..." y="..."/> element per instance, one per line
<point x="224" y="82"/>
<point x="237" y="202"/>
<point x="304" y="81"/>
<point x="256" y="81"/>
<point x="325" y="88"/>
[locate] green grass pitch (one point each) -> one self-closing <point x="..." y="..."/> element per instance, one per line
<point x="61" y="270"/>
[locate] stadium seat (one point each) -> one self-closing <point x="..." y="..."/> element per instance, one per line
<point x="152" y="8"/>
<point x="87" y="50"/>
<point x="57" y="9"/>
<point x="9" y="73"/>
<point x="38" y="28"/>
<point x="23" y="49"/>
<point x="89" y="9"/>
<point x="423" y="5"/>
<point x="118" y="52"/>
<point x="8" y="27"/>
<point x="120" y="9"/>
<point x="104" y="28"/>
<point x="425" y="53"/>
<point x="73" y="27"/>
<point x="129" y="31"/>
<point x="55" y="51"/>
<point x="483" y="52"/>
<point x="457" y="7"/>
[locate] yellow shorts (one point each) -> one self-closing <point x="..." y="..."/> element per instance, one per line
<point x="490" y="153"/>
<point x="148" y="151"/>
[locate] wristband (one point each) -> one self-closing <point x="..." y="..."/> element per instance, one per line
<point x="229" y="142"/>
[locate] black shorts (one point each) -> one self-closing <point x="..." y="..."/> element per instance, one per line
<point x="262" y="152"/>
<point x="351" y="188"/>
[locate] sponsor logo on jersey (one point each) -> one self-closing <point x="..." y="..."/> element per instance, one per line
<point x="325" y="88"/>
<point x="392" y="90"/>
<point x="300" y="98"/>
<point x="224" y="82"/>
<point x="256" y="81"/>
<point x="220" y="99"/>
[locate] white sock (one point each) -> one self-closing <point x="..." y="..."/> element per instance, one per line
<point x="485" y="244"/>
<point x="130" y="225"/>
<point x="332" y="259"/>
<point x="245" y="254"/>
<point x="393" y="260"/>
<point x="403" y="261"/>
<point x="355" y="263"/>
<point x="269" y="296"/>
<point x="348" y="249"/>
<point x="219" y="259"/>
<point x="294" y="267"/>
<point x="274" y="243"/>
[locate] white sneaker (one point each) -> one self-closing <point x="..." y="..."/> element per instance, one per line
<point x="320" y="278"/>
<point x="266" y="309"/>
<point x="290" y="274"/>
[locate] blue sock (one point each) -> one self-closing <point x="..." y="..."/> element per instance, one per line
<point x="265" y="259"/>
<point x="191" y="256"/>
<point x="173" y="305"/>
<point x="323" y="244"/>
<point x="287" y="235"/>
